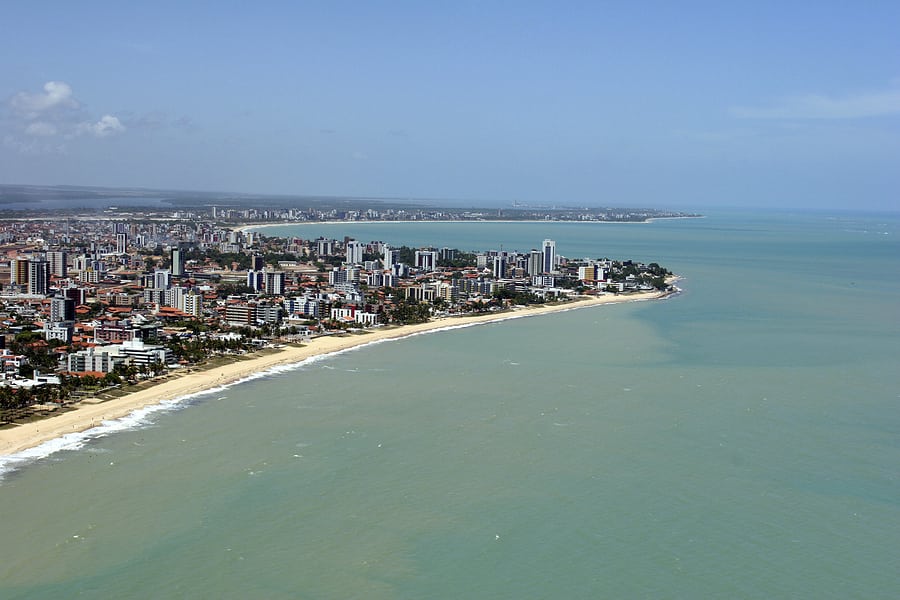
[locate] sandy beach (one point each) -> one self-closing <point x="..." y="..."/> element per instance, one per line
<point x="88" y="415"/>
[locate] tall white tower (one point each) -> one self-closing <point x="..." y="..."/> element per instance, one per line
<point x="389" y="256"/>
<point x="354" y="252"/>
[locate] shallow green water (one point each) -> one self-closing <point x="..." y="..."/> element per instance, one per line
<point x="739" y="441"/>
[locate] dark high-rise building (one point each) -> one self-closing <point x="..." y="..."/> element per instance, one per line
<point x="62" y="309"/>
<point x="38" y="277"/>
<point x="549" y="249"/>
<point x="177" y="262"/>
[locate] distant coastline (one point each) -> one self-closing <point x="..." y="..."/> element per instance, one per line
<point x="245" y="227"/>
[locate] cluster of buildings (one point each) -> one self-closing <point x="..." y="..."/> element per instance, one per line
<point x="103" y="294"/>
<point x="517" y="212"/>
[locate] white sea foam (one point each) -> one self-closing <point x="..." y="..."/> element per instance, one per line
<point x="139" y="418"/>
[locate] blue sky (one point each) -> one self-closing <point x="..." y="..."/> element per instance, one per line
<point x="664" y="104"/>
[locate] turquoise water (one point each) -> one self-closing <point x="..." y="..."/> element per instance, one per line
<point x="737" y="441"/>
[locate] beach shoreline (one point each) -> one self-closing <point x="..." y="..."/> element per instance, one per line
<point x="86" y="416"/>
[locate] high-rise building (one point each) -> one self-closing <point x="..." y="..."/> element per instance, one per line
<point x="177" y="262"/>
<point x="173" y="296"/>
<point x="324" y="247"/>
<point x="76" y="294"/>
<point x="588" y="273"/>
<point x="240" y="314"/>
<point x="447" y="253"/>
<point x="121" y="242"/>
<point x="162" y="279"/>
<point x="336" y="276"/>
<point x="58" y="263"/>
<point x="500" y="266"/>
<point x="426" y="259"/>
<point x="535" y="262"/>
<point x="18" y="271"/>
<point x="192" y="304"/>
<point x="62" y="309"/>
<point x="355" y="251"/>
<point x="549" y="252"/>
<point x="257" y="262"/>
<point x="38" y="277"/>
<point x="256" y="280"/>
<point x="389" y="257"/>
<point x="275" y="282"/>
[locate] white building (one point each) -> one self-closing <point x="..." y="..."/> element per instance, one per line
<point x="192" y="304"/>
<point x="59" y="330"/>
<point x="92" y="359"/>
<point x="350" y="314"/>
<point x="306" y="307"/>
<point x="389" y="257"/>
<point x="121" y="243"/>
<point x="355" y="250"/>
<point x="144" y="354"/>
<point x="58" y="264"/>
<point x="426" y="259"/>
<point x="256" y="280"/>
<point x="162" y="279"/>
<point x="274" y="282"/>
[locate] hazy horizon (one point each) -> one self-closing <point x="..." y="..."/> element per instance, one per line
<point x="661" y="106"/>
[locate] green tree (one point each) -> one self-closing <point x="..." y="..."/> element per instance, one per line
<point x="111" y="378"/>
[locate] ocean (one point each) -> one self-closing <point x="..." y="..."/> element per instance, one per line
<point x="738" y="440"/>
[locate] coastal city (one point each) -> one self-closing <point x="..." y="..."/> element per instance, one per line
<point x="91" y="305"/>
<point x="425" y="300"/>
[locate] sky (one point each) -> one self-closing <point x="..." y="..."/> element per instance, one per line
<point x="657" y="104"/>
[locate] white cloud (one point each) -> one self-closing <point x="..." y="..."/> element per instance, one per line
<point x="106" y="126"/>
<point x="52" y="115"/>
<point x="55" y="94"/>
<point x="815" y="106"/>
<point x="41" y="128"/>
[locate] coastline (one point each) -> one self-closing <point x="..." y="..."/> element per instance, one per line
<point x="87" y="416"/>
<point x="245" y="227"/>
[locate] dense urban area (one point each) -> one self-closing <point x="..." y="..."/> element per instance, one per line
<point x="96" y="303"/>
